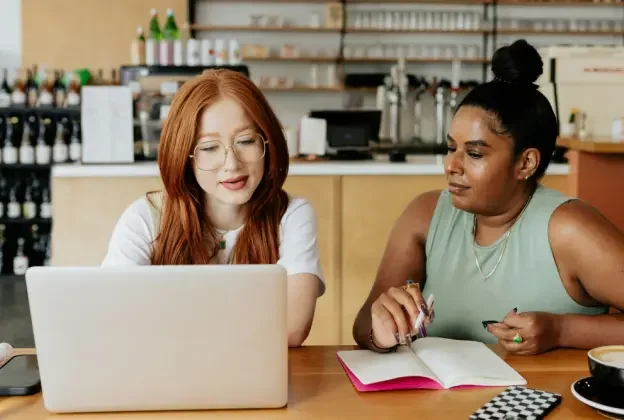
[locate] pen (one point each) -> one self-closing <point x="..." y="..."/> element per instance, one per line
<point x="419" y="325"/>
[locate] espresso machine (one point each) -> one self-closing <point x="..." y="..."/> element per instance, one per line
<point x="399" y="101"/>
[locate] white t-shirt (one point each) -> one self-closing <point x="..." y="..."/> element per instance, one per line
<point x="132" y="241"/>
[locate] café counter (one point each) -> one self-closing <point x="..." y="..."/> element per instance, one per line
<point x="320" y="389"/>
<point x="356" y="205"/>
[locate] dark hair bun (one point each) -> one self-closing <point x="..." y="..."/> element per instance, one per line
<point x="517" y="63"/>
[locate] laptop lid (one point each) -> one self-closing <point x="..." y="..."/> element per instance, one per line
<point x="160" y="337"/>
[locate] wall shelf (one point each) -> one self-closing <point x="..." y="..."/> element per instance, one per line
<point x="361" y="60"/>
<point x="506" y="31"/>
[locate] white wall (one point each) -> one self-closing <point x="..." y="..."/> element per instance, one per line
<point x="10" y="35"/>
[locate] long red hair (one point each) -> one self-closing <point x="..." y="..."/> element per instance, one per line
<point x="185" y="236"/>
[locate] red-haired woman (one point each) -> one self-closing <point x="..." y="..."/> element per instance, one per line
<point x="223" y="161"/>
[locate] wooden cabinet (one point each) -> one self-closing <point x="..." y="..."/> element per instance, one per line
<point x="355" y="214"/>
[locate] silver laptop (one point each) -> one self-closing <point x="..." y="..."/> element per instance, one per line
<point x="160" y="337"/>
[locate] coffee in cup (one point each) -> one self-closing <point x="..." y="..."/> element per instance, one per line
<point x="606" y="365"/>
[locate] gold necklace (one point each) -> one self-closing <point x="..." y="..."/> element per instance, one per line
<point x="505" y="240"/>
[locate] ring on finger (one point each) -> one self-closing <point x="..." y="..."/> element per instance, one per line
<point x="517" y="338"/>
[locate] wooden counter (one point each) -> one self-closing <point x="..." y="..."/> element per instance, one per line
<point x="596" y="174"/>
<point x="319" y="389"/>
<point x="356" y="204"/>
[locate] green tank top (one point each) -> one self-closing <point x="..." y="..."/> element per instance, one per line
<point x="526" y="278"/>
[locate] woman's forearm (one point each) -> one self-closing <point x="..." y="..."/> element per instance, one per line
<point x="589" y="331"/>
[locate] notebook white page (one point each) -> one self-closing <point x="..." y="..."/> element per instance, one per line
<point x="458" y="362"/>
<point x="370" y="367"/>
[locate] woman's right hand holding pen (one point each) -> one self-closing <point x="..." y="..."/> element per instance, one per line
<point x="394" y="314"/>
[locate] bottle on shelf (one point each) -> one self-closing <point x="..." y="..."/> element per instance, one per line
<point x="170" y="34"/>
<point x="5" y="90"/>
<point x="46" y="91"/>
<point x="42" y="150"/>
<point x="45" y="210"/>
<point x="29" y="207"/>
<point x="59" y="150"/>
<point x="4" y="196"/>
<point x="73" y="92"/>
<point x="2" y="242"/>
<point x="193" y="47"/>
<point x="137" y="49"/>
<point x="75" y="148"/>
<point x="114" y="81"/>
<point x="9" y="151"/>
<point x="20" y="261"/>
<point x="60" y="91"/>
<point x="18" y="94"/>
<point x="152" y="43"/>
<point x="48" y="251"/>
<point x="37" y="246"/>
<point x="26" y="149"/>
<point x="32" y="90"/>
<point x="14" y="210"/>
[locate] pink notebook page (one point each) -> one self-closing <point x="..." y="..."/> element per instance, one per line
<point x="412" y="382"/>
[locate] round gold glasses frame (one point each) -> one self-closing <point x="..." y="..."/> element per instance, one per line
<point x="226" y="150"/>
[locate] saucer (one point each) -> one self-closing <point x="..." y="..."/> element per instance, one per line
<point x="610" y="404"/>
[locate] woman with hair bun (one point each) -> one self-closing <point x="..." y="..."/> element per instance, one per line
<point x="495" y="245"/>
<point x="223" y="161"/>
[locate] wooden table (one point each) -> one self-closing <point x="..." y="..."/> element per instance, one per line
<point x="319" y="389"/>
<point x="596" y="173"/>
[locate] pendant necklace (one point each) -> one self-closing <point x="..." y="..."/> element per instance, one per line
<point x="505" y="240"/>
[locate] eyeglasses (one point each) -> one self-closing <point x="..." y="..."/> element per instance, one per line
<point x="211" y="155"/>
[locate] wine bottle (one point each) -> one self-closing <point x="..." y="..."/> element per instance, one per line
<point x="32" y="90"/>
<point x="20" y="261"/>
<point x="170" y="34"/>
<point x="46" y="91"/>
<point x="2" y="242"/>
<point x="4" y="196"/>
<point x="60" y="91"/>
<point x="13" y="207"/>
<point x="26" y="150"/>
<point x="42" y="150"/>
<point x="45" y="210"/>
<point x="37" y="246"/>
<point x="5" y="90"/>
<point x="137" y="50"/>
<point x="18" y="95"/>
<point x="29" y="207"/>
<point x="75" y="148"/>
<point x="73" y="92"/>
<point x="48" y="251"/>
<point x="152" y="42"/>
<point x="9" y="151"/>
<point x="59" y="150"/>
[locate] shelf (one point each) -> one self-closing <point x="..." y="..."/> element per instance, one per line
<point x="360" y="60"/>
<point x="25" y="166"/>
<point x="249" y="28"/>
<point x="591" y="146"/>
<point x="503" y="31"/>
<point x="418" y="31"/>
<point x="22" y="221"/>
<point x="40" y="111"/>
<point x="320" y="89"/>
<point x="558" y="3"/>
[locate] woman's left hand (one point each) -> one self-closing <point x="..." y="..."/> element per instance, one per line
<point x="528" y="332"/>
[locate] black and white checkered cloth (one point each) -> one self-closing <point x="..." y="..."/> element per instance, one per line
<point x="518" y="403"/>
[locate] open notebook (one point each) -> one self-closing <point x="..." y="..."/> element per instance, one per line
<point x="432" y="363"/>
